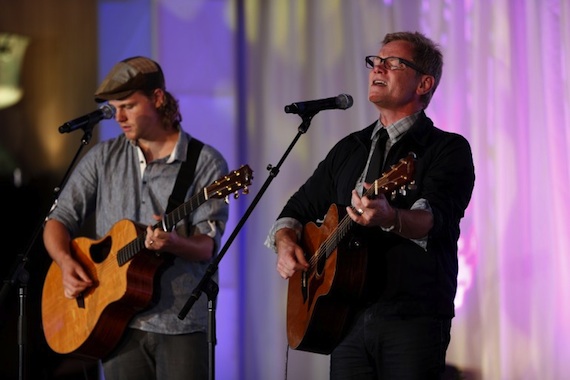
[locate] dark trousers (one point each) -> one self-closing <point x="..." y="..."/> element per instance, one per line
<point x="381" y="347"/>
<point x="148" y="356"/>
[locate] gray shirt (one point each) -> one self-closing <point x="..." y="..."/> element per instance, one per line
<point x="114" y="182"/>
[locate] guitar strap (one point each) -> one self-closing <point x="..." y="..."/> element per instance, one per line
<point x="185" y="175"/>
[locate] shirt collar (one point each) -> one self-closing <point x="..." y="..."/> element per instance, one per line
<point x="397" y="129"/>
<point x="179" y="151"/>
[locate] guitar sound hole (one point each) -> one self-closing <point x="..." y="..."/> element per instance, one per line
<point x="100" y="251"/>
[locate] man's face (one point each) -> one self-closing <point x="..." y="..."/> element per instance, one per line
<point x="394" y="89"/>
<point x="137" y="114"/>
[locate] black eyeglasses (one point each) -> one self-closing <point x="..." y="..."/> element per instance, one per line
<point x="391" y="63"/>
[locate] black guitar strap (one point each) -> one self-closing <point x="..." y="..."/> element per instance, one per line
<point x="185" y="175"/>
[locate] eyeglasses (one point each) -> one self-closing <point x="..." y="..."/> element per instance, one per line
<point x="391" y="63"/>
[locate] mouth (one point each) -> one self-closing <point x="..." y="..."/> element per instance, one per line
<point x="379" y="82"/>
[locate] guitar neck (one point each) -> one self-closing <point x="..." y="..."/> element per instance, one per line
<point x="168" y="222"/>
<point x="182" y="211"/>
<point x="400" y="174"/>
<point x="220" y="189"/>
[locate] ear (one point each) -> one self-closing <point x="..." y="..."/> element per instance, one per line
<point x="159" y="97"/>
<point x="426" y="84"/>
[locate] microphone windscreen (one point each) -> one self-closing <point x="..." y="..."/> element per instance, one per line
<point x="344" y="101"/>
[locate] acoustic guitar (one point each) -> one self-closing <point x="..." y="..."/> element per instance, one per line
<point x="320" y="300"/>
<point x="123" y="271"/>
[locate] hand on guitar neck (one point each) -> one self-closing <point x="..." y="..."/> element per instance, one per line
<point x="372" y="211"/>
<point x="193" y="248"/>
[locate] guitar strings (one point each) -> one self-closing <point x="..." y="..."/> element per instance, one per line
<point x="331" y="242"/>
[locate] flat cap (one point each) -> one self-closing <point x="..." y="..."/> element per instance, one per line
<point x="129" y="76"/>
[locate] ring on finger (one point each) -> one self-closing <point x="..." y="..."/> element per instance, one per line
<point x="359" y="211"/>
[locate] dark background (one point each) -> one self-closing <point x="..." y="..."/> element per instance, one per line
<point x="59" y="67"/>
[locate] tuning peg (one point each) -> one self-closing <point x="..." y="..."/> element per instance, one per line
<point x="245" y="190"/>
<point x="226" y="200"/>
<point x="412" y="185"/>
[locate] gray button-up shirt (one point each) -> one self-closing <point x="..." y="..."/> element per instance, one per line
<point x="114" y="182"/>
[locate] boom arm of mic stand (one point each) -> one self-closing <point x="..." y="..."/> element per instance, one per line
<point x="213" y="267"/>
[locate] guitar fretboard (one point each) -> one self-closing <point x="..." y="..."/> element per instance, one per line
<point x="136" y="245"/>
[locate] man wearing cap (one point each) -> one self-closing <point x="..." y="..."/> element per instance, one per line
<point x="132" y="177"/>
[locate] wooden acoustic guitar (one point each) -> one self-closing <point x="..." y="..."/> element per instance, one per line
<point x="123" y="271"/>
<point x="320" y="300"/>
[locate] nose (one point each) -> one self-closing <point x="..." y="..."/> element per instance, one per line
<point x="379" y="66"/>
<point x="377" y="69"/>
<point x="119" y="114"/>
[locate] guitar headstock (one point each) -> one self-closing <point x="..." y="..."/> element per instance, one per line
<point x="398" y="176"/>
<point x="231" y="183"/>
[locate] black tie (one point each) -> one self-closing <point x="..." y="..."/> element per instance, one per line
<point x="377" y="159"/>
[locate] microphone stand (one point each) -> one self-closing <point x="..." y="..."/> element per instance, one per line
<point x="208" y="285"/>
<point x="18" y="273"/>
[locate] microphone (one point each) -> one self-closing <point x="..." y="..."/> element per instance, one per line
<point x="343" y="101"/>
<point x="106" y="111"/>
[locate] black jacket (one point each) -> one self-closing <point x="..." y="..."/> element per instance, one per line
<point x="402" y="276"/>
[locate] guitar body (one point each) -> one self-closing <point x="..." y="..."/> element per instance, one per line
<point x="320" y="301"/>
<point x="93" y="324"/>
